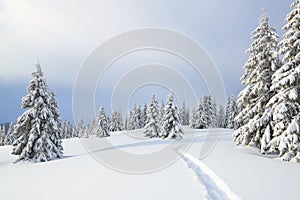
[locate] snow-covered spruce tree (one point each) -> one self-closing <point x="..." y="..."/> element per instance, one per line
<point x="137" y="115"/>
<point x="134" y="117"/>
<point x="285" y="136"/>
<point x="130" y="121"/>
<point x="214" y="122"/>
<point x="116" y="121"/>
<point x="68" y="130"/>
<point x="184" y="114"/>
<point x="64" y="130"/>
<point x="207" y="111"/>
<point x="126" y="123"/>
<point x="152" y="127"/>
<point x="10" y="137"/>
<point x="193" y="118"/>
<point x="53" y="105"/>
<point x="231" y="112"/>
<point x="120" y="120"/>
<point x="80" y="128"/>
<point x="171" y="127"/>
<point x="86" y="131"/>
<point x="259" y="69"/>
<point x="91" y="128"/>
<point x="74" y="132"/>
<point x="201" y="122"/>
<point x="103" y="126"/>
<point x="220" y="117"/>
<point x="140" y="121"/>
<point x="161" y="112"/>
<point x="2" y="135"/>
<point x="37" y="128"/>
<point x="144" y="115"/>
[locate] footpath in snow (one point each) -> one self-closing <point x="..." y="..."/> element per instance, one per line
<point x="215" y="187"/>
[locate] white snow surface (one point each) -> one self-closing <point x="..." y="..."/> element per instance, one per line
<point x="227" y="172"/>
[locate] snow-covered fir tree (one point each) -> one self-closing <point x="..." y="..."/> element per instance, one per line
<point x="93" y="127"/>
<point x="231" y="112"/>
<point x="144" y="115"/>
<point x="37" y="129"/>
<point x="284" y="139"/>
<point x="126" y="123"/>
<point x="63" y="133"/>
<point x="193" y="118"/>
<point x="259" y="68"/>
<point x="86" y="132"/>
<point x="102" y="124"/>
<point x="152" y="127"/>
<point x="80" y="128"/>
<point x="74" y="131"/>
<point x="171" y="127"/>
<point x="209" y="111"/>
<point x="53" y="104"/>
<point x="2" y="135"/>
<point x="221" y="117"/>
<point x="10" y="137"/>
<point x="214" y="121"/>
<point x="68" y="130"/>
<point x="130" y="122"/>
<point x="162" y="111"/>
<point x="137" y="116"/>
<point x="184" y="114"/>
<point x="116" y="121"/>
<point x="201" y="121"/>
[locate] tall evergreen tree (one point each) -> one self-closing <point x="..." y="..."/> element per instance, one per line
<point x="193" y="118"/>
<point x="201" y="121"/>
<point x="126" y="123"/>
<point x="116" y="121"/>
<point x="231" y="113"/>
<point x="144" y="115"/>
<point x="214" y="121"/>
<point x="2" y="135"/>
<point x="130" y="121"/>
<point x="93" y="127"/>
<point x="64" y="130"/>
<point x="162" y="111"/>
<point x="171" y="121"/>
<point x="152" y="127"/>
<point x="80" y="128"/>
<point x="259" y="69"/>
<point x="184" y="114"/>
<point x="37" y="128"/>
<point x="103" y="126"/>
<point x="208" y="111"/>
<point x="53" y="105"/>
<point x="137" y="116"/>
<point x="10" y="137"/>
<point x="221" y="117"/>
<point x="285" y="105"/>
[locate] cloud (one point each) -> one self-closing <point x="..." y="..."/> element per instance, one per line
<point x="61" y="34"/>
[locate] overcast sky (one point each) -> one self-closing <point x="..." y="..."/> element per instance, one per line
<point x="62" y="34"/>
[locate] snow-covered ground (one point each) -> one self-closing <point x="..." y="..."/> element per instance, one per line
<point x="227" y="172"/>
